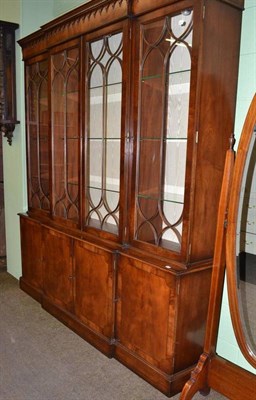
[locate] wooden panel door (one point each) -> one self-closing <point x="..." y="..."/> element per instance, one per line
<point x="94" y="287"/>
<point x="57" y="268"/>
<point x="146" y="313"/>
<point x="31" y="252"/>
<point x="106" y="114"/>
<point x="165" y="74"/>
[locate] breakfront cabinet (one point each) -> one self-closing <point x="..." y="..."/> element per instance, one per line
<point x="129" y="110"/>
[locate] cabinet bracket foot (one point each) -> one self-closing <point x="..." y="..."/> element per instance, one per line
<point x="198" y="379"/>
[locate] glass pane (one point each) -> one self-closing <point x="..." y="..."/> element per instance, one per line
<point x="114" y="102"/>
<point x="163" y="128"/>
<point x="104" y="135"/>
<point x="178" y="105"/>
<point x="115" y="43"/>
<point x="95" y="163"/>
<point x="112" y="173"/>
<point x="175" y="169"/>
<point x="149" y="168"/>
<point x="37" y="131"/>
<point x="66" y="136"/>
<point x="114" y="72"/>
<point x="96" y="113"/>
<point x="180" y="24"/>
<point x="153" y="64"/>
<point x="246" y="247"/>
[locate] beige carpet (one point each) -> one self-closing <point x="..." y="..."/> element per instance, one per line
<point x="41" y="359"/>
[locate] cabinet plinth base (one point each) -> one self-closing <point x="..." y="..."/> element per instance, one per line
<point x="32" y="291"/>
<point x="167" y="384"/>
<point x="98" y="341"/>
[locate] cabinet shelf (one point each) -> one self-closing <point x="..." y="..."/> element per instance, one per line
<point x="106" y="139"/>
<point x="112" y="190"/>
<point x="72" y="183"/>
<point x="67" y="138"/>
<point x="40" y="177"/>
<point x="158" y="76"/>
<point x="166" y="197"/>
<point x="249" y="232"/>
<point x="40" y="138"/>
<point x="63" y="126"/>
<point x="166" y="139"/>
<point x="39" y="124"/>
<point x="56" y="93"/>
<point x="112" y="98"/>
<point x="104" y="86"/>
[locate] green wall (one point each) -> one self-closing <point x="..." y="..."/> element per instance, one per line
<point x="29" y="14"/>
<point x="61" y="6"/>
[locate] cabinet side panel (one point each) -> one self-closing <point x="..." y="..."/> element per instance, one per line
<point x="192" y="314"/>
<point x="94" y="287"/>
<point x="216" y="121"/>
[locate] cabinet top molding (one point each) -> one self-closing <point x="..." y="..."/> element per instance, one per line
<point x="90" y="16"/>
<point x="81" y="20"/>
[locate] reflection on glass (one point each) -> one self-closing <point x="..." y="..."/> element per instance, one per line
<point x="165" y="67"/>
<point x="246" y="248"/>
<point x="104" y="135"/>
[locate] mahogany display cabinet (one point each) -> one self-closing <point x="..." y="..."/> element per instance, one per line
<point x="129" y="110"/>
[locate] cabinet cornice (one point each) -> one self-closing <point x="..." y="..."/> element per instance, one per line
<point x="84" y="19"/>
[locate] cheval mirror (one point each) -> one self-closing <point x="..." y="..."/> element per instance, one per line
<point x="235" y="253"/>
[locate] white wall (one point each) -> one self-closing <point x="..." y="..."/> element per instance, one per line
<point x="227" y="344"/>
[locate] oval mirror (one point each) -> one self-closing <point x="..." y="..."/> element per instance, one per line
<point x="241" y="241"/>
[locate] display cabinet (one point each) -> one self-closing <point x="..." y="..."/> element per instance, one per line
<point x="130" y="105"/>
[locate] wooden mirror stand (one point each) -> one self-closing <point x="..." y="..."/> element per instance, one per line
<point x="213" y="371"/>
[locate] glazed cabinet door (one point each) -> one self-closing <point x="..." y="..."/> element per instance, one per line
<point x="65" y="130"/>
<point x="146" y="319"/>
<point x="106" y="91"/>
<point x="94" y="287"/>
<point x="164" y="65"/>
<point x="31" y="253"/>
<point x="37" y="127"/>
<point x="57" y="251"/>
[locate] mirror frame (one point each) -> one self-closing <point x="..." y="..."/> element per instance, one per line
<point x="232" y="221"/>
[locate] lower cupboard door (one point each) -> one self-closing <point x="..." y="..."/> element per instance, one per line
<point x="94" y="287"/>
<point x="31" y="244"/>
<point x="146" y="312"/>
<point x="57" y="268"/>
